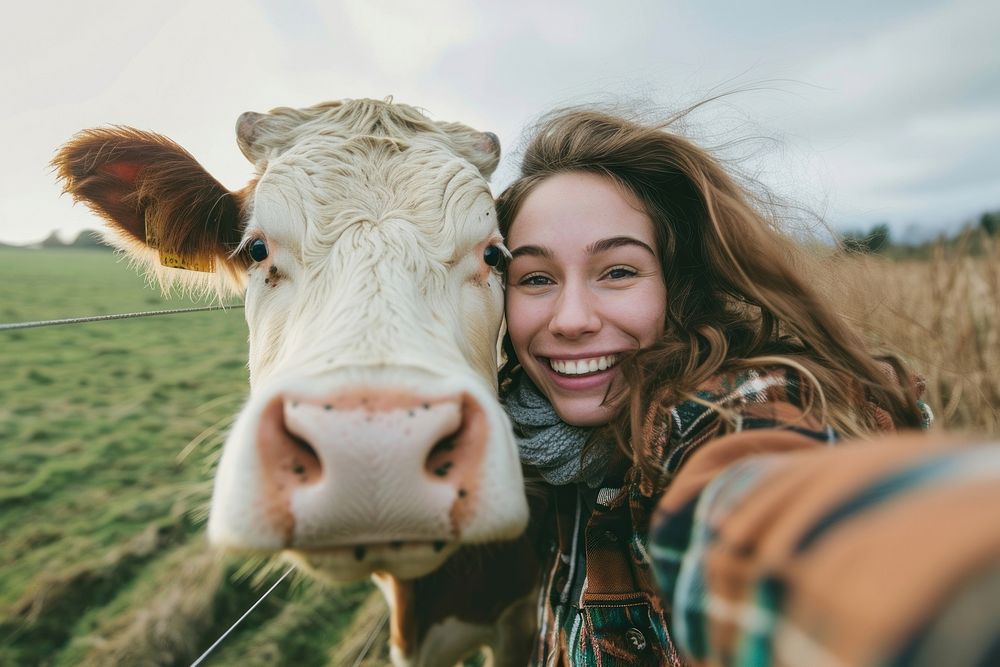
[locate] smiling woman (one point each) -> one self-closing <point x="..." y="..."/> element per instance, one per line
<point x="576" y="302"/>
<point x="651" y="305"/>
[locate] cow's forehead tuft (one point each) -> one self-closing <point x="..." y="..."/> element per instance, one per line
<point x="365" y="169"/>
<point x="320" y="188"/>
<point x="373" y="117"/>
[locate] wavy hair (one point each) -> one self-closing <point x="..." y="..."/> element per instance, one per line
<point x="740" y="291"/>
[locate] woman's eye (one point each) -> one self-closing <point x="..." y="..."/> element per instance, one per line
<point x="619" y="272"/>
<point x="535" y="280"/>
<point x="258" y="250"/>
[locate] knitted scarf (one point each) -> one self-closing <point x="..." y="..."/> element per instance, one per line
<point x="549" y="444"/>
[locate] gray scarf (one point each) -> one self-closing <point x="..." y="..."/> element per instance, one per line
<point x="551" y="445"/>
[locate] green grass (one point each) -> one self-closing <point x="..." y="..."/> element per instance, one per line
<point x="101" y="523"/>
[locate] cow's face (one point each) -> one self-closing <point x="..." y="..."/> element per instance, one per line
<point x="372" y="439"/>
<point x="375" y="249"/>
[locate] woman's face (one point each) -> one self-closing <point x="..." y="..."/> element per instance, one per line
<point x="584" y="286"/>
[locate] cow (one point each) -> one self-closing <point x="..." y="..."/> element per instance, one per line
<point x="372" y="442"/>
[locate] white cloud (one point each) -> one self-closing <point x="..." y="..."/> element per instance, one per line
<point x="404" y="38"/>
<point x="887" y="111"/>
<point x="936" y="59"/>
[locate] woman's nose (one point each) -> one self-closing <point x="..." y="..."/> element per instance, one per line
<point x="574" y="314"/>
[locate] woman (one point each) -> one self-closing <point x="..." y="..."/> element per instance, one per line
<point x="661" y="331"/>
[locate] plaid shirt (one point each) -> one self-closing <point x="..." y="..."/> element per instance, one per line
<point x="760" y="545"/>
<point x="600" y="603"/>
<point x="773" y="551"/>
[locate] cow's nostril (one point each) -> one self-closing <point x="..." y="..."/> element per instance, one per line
<point x="304" y="457"/>
<point x="446" y="444"/>
<point x="293" y="451"/>
<point x="440" y="459"/>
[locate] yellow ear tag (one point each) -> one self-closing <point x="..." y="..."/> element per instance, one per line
<point x="174" y="260"/>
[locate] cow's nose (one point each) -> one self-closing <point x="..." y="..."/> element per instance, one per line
<point x="371" y="465"/>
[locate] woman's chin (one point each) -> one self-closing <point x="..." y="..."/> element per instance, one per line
<point x="579" y="400"/>
<point x="585" y="412"/>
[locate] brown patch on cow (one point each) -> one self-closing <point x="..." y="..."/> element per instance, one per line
<point x="286" y="463"/>
<point x="475" y="585"/>
<point x="140" y="180"/>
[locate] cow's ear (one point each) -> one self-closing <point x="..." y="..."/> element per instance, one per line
<point x="263" y="136"/>
<point x="161" y="206"/>
<point x="482" y="149"/>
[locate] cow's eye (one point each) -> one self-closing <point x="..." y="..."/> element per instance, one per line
<point x="258" y="250"/>
<point x="492" y="255"/>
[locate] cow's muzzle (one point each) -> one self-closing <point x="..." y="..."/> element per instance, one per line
<point x="359" y="477"/>
<point x="370" y="466"/>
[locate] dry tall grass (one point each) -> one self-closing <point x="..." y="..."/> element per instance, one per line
<point x="366" y="641"/>
<point x="942" y="315"/>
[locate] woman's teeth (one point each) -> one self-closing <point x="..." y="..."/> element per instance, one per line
<point x="581" y="366"/>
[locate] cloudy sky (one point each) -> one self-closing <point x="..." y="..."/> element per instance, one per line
<point x="862" y="112"/>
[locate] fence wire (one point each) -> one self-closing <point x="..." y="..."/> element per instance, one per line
<point x="118" y="316"/>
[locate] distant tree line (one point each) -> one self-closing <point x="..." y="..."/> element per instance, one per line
<point x="879" y="239"/>
<point x="990" y="223"/>
<point x="88" y="238"/>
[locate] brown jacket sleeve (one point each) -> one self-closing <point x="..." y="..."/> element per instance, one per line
<point x="773" y="550"/>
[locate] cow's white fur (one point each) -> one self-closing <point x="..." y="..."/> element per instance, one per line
<point x="360" y="237"/>
<point x="377" y="242"/>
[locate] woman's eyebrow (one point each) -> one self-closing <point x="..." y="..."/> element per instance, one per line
<point x="594" y="248"/>
<point x="531" y="251"/>
<point x="616" y="242"/>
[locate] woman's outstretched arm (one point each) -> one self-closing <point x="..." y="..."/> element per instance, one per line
<point x="772" y="551"/>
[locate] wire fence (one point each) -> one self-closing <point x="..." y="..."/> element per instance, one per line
<point x="118" y="316"/>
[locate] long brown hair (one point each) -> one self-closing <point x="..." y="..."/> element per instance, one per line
<point x="738" y="289"/>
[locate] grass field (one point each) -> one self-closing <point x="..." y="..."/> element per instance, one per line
<point x="102" y="552"/>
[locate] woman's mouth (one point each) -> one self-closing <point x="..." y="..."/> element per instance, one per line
<point x="577" y="367"/>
